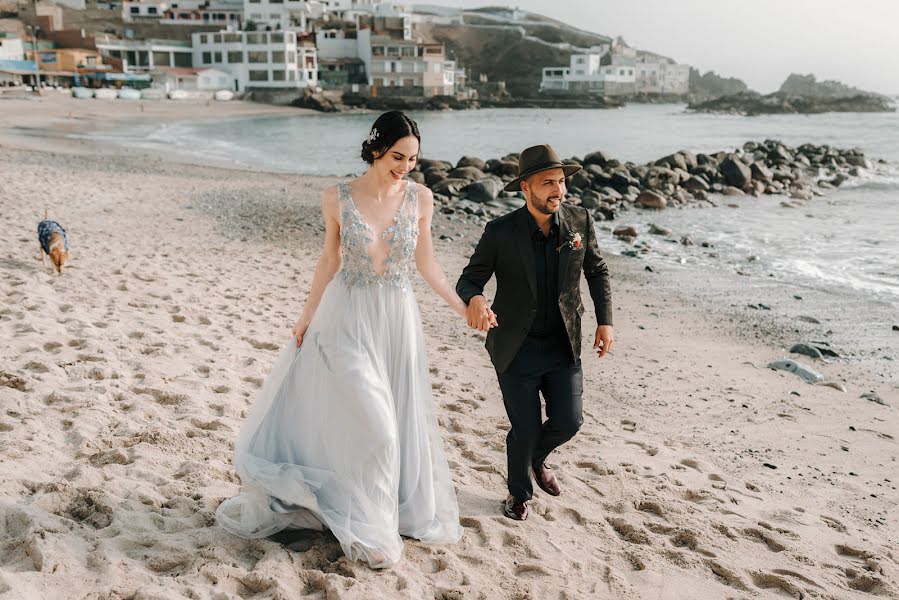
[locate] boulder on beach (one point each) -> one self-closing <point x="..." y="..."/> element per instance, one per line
<point x="482" y="191"/>
<point x="469" y="173"/>
<point x="449" y="186"/>
<point x="625" y="232"/>
<point x="650" y="199"/>
<point x="598" y="158"/>
<point x="471" y="161"/>
<point x="658" y="230"/>
<point x="735" y="172"/>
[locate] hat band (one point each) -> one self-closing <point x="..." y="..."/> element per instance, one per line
<point x="541" y="167"/>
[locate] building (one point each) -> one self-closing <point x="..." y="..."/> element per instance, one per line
<point x="605" y="74"/>
<point x="190" y="79"/>
<point x="259" y="59"/>
<point x="226" y="13"/>
<point x="282" y="15"/>
<point x="399" y="67"/>
<point x="11" y="47"/>
<point x="338" y="73"/>
<point x="144" y="56"/>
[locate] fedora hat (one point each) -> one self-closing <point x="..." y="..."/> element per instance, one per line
<point x="536" y="159"/>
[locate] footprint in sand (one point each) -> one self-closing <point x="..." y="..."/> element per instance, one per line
<point x="628" y="425"/>
<point x="52" y="347"/>
<point x="649" y="448"/>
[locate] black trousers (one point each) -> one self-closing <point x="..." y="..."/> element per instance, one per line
<point x="541" y="366"/>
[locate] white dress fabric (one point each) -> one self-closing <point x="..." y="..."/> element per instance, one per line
<point x="343" y="434"/>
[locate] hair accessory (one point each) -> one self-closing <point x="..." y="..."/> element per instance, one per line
<point x="373" y="135"/>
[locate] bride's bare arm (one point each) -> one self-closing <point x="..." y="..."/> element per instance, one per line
<point x="328" y="263"/>
<point x="430" y="270"/>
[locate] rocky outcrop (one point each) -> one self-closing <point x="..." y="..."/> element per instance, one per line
<point x="753" y="103"/>
<point x="608" y="187"/>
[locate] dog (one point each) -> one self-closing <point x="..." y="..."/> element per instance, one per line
<point x="53" y="242"/>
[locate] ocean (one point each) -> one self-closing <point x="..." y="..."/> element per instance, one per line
<point x="848" y="238"/>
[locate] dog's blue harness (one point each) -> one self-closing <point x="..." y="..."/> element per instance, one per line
<point x="46" y="229"/>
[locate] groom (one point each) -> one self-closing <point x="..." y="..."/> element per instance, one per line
<point x="537" y="254"/>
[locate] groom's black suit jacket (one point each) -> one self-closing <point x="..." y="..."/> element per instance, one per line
<point x="505" y="249"/>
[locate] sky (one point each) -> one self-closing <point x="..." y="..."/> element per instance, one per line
<point x="759" y="41"/>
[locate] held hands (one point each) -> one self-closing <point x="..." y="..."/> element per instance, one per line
<point x="299" y="330"/>
<point x="603" y="341"/>
<point x="479" y="315"/>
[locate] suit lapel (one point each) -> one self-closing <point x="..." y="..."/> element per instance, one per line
<point x="526" y="249"/>
<point x="565" y="250"/>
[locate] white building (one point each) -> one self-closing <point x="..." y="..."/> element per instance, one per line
<point x="657" y="75"/>
<point x="594" y="73"/>
<point x="258" y="59"/>
<point x="143" y="56"/>
<point x="190" y="79"/>
<point x="283" y="15"/>
<point x="11" y="48"/>
<point x="226" y="13"/>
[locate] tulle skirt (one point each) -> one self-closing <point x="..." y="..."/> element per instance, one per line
<point x="343" y="434"/>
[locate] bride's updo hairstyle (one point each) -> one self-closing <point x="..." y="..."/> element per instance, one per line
<point x="388" y="129"/>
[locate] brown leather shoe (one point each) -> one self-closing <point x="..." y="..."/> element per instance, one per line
<point x="515" y="508"/>
<point x="546" y="480"/>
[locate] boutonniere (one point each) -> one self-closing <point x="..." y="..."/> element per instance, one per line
<point x="573" y="242"/>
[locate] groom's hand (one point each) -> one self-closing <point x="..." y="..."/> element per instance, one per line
<point x="603" y="341"/>
<point x="479" y="315"/>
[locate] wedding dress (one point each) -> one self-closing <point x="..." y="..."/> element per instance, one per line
<point x="343" y="434"/>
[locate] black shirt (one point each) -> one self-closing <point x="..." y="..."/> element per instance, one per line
<point x="548" y="321"/>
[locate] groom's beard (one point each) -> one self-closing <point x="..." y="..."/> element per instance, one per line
<point x="548" y="206"/>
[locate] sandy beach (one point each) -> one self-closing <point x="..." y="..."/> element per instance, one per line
<point x="698" y="473"/>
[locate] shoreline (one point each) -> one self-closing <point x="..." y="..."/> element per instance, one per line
<point x="139" y="361"/>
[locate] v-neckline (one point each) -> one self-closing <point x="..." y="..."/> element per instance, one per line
<point x="392" y="222"/>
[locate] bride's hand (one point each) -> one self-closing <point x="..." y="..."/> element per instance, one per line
<point x="299" y="330"/>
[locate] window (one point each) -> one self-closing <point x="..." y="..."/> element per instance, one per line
<point x="290" y="38"/>
<point x="231" y="38"/>
<point x="135" y="10"/>
<point x="204" y="39"/>
<point x="278" y="75"/>
<point x="290" y="75"/>
<point x="258" y="75"/>
<point x="277" y="38"/>
<point x="377" y="50"/>
<point x="393" y="51"/>
<point x="408" y="51"/>
<point x="278" y="56"/>
<point x="378" y="82"/>
<point x="235" y="58"/>
<point x="254" y="1"/>
<point x="152" y="10"/>
<point x="207" y="58"/>
<point x="409" y="82"/>
<point x="161" y="59"/>
<point x="218" y="57"/>
<point x="183" y="59"/>
<point x="217" y="38"/>
<point x="256" y="38"/>
<point x="257" y="56"/>
<point x="292" y="56"/>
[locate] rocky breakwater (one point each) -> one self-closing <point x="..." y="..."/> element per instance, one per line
<point x="473" y="188"/>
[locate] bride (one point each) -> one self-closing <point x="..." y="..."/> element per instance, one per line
<point x="343" y="434"/>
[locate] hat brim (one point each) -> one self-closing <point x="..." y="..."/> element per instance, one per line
<point x="515" y="184"/>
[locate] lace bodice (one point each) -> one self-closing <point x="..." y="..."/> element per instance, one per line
<point x="356" y="236"/>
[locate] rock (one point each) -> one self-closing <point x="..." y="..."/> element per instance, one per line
<point x="581" y="180"/>
<point x="621" y="181"/>
<point x="761" y="172"/>
<point x="471" y="161"/>
<point x="673" y="160"/>
<point x="417" y="177"/>
<point x="449" y="186"/>
<point x="590" y="199"/>
<point x="735" y="173"/>
<point x="801" y="194"/>
<point x="806" y="350"/>
<point x="611" y="193"/>
<point x="432" y="176"/>
<point x="429" y="163"/>
<point x="780" y="154"/>
<point x="505" y="168"/>
<point x="732" y="191"/>
<point x="686" y="240"/>
<point x="650" y="199"/>
<point x="625" y="232"/>
<point x="695" y="184"/>
<point x="803" y="371"/>
<point x="598" y="158"/>
<point x="656" y="230"/>
<point x="469" y="173"/>
<point x="859" y="161"/>
<point x="808" y="319"/>
<point x="895" y="327"/>
<point x="482" y="191"/>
